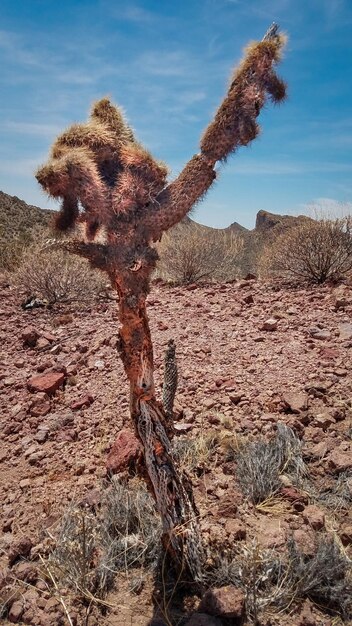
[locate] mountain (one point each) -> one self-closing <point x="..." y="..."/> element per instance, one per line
<point x="19" y="221"/>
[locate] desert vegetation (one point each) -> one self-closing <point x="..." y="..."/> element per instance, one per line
<point x="126" y="206"/>
<point x="314" y="252"/>
<point x="190" y="253"/>
<point x="54" y="277"/>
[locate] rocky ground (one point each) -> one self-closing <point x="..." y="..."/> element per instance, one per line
<point x="250" y="355"/>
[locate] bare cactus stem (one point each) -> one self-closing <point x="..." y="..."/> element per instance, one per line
<point x="170" y="380"/>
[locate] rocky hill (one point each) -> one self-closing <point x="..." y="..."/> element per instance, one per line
<point x="17" y="218"/>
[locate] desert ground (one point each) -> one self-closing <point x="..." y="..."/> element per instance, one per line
<point x="251" y="356"/>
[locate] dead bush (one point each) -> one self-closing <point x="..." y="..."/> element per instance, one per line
<point x="314" y="252"/>
<point x="191" y="253"/>
<point x="53" y="275"/>
<point x="260" y="464"/>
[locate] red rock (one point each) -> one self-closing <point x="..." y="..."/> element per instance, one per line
<point x="236" y="529"/>
<point x="30" y="336"/>
<point x="340" y="460"/>
<point x="296" y="401"/>
<point x="26" y="571"/>
<point x="16" y="612"/>
<point x="269" y="324"/>
<point x="124" y="453"/>
<point x="305" y="541"/>
<point x="248" y="299"/>
<point x="314" y="517"/>
<point x="19" y="548"/>
<point x="47" y="383"/>
<point x="48" y="336"/>
<point x="345" y="331"/>
<point x="329" y="353"/>
<point x="293" y="495"/>
<point x="42" y="343"/>
<point x="85" y="400"/>
<point x="226" y="602"/>
<point x="271" y="533"/>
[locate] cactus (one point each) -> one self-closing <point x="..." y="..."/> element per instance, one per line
<point x="117" y="197"/>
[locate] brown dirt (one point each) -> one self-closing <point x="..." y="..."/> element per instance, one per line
<point x="235" y="377"/>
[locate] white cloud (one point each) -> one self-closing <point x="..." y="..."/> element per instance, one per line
<point x="327" y="207"/>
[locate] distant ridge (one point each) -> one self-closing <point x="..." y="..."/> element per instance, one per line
<point x="19" y="219"/>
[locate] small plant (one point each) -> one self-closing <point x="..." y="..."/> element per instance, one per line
<point x="56" y="277"/>
<point x="123" y="535"/>
<point x="314" y="252"/>
<point x="260" y="464"/>
<point x="325" y="577"/>
<point x="282" y="580"/>
<point x="190" y="253"/>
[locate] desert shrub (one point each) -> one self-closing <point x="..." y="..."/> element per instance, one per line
<point x="191" y="253"/>
<point x="315" y="251"/>
<point x="271" y="579"/>
<point x="56" y="276"/>
<point x="260" y="464"/>
<point x="325" y="577"/>
<point x="91" y="547"/>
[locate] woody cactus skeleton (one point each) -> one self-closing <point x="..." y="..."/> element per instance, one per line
<point x="117" y="196"/>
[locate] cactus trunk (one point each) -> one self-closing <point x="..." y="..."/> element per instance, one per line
<point x="169" y="486"/>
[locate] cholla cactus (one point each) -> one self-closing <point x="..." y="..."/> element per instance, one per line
<point x="117" y="196"/>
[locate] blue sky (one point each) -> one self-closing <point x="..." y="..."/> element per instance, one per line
<point x="168" y="64"/>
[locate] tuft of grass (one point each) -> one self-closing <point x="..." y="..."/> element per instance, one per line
<point x="193" y="455"/>
<point x="338" y="495"/>
<point x="130" y="533"/>
<point x="325" y="578"/>
<point x="260" y="464"/>
<point x="276" y="581"/>
<point x="123" y="535"/>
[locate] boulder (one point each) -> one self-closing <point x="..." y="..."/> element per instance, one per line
<point x="296" y="401"/>
<point x="125" y="452"/>
<point x="314" y="517"/>
<point x="228" y="601"/>
<point x="46" y="383"/>
<point x="19" y="548"/>
<point x="30" y="337"/>
<point x="269" y="324"/>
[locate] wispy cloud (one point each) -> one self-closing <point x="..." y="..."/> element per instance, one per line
<point x="327" y="207"/>
<point x="281" y="168"/>
<point x="31" y="128"/>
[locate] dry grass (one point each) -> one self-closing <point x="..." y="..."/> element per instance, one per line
<point x="260" y="464"/>
<point x="278" y="582"/>
<point x="193" y="455"/>
<point x="122" y="536"/>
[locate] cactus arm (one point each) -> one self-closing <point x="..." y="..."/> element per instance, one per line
<point x="234" y="125"/>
